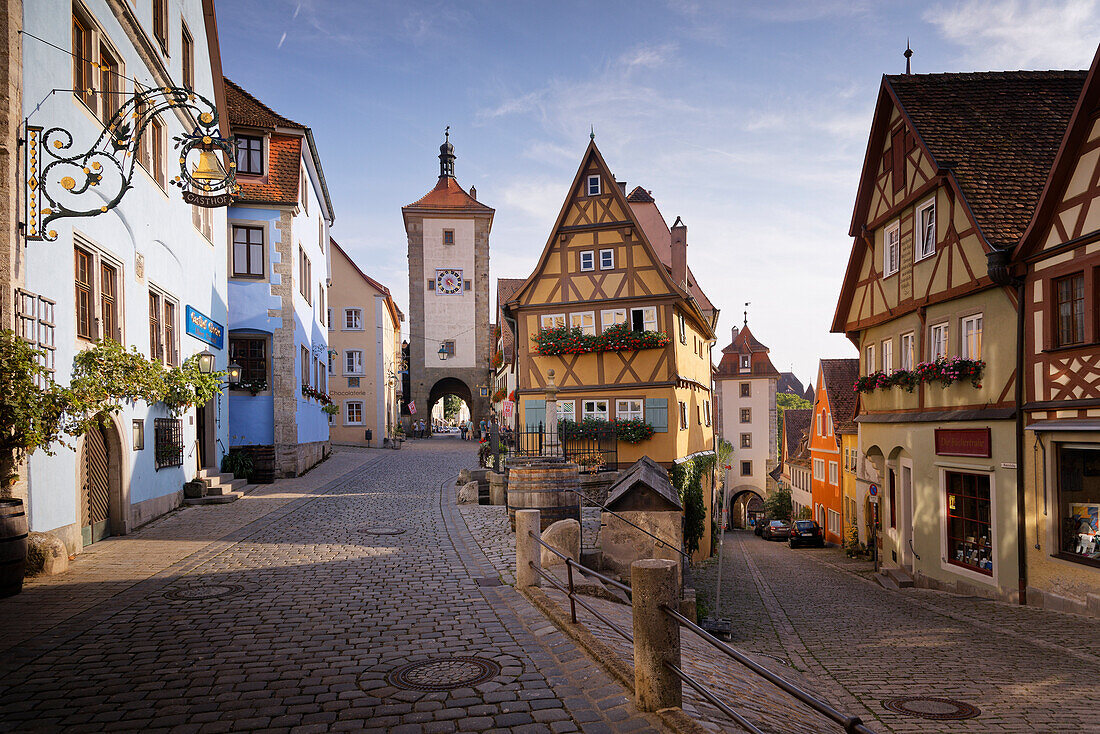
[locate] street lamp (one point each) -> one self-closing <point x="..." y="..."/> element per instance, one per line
<point x="234" y="373"/>
<point x="443" y="354"/>
<point x="206" y="363"/>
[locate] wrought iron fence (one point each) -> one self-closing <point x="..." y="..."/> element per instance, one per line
<point x="592" y="448"/>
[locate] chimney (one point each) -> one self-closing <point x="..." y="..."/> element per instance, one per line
<point x="679" y="252"/>
<point x="622" y="186"/>
<point x="473" y="193"/>
<point x="735" y="331"/>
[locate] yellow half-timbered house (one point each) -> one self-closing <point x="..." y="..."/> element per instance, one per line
<point x="602" y="272"/>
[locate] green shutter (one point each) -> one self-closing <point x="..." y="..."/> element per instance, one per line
<point x="534" y="413"/>
<point x="656" y="414"/>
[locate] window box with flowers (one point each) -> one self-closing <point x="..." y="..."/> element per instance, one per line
<point x="499" y="395"/>
<point x="630" y="431"/>
<point x="496" y="361"/>
<point x="326" y="402"/>
<point x="944" y="371"/>
<point x="617" y="338"/>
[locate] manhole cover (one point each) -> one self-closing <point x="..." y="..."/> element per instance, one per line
<point x="199" y="592"/>
<point x="443" y="674"/>
<point x="380" y="530"/>
<point x="940" y="709"/>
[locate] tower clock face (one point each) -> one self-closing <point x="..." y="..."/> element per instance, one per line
<point x="448" y="281"/>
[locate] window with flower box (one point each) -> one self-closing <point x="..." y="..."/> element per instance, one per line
<point x="597" y="409"/>
<point x="630" y="409"/>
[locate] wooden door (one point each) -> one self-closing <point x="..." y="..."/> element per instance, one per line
<point x="96" y="487"/>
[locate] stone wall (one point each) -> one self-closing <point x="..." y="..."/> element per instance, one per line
<point x="622" y="544"/>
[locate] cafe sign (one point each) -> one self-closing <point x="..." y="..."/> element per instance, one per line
<point x="204" y="328"/>
<point x="973" y="442"/>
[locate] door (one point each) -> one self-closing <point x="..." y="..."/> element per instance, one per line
<point x="905" y="515"/>
<point x="96" y="487"/>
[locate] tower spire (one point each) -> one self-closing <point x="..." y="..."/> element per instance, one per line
<point x="747" y="314"/>
<point x="908" y="55"/>
<point x="447" y="155"/>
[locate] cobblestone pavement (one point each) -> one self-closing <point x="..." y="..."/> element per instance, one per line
<point x="1028" y="670"/>
<point x="295" y="610"/>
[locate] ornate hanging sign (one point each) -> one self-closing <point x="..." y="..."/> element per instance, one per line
<point x="63" y="184"/>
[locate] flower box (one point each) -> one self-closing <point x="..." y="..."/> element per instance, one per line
<point x="944" y="371"/>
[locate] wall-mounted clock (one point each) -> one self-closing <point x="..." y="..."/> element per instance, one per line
<point x="448" y="281"/>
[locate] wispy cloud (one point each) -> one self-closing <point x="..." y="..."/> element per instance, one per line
<point x="1021" y="34"/>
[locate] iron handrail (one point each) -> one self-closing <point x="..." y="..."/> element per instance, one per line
<point x="706" y="693"/>
<point x="850" y="723"/>
<point x="573" y="597"/>
<point x="583" y="569"/>
<point x="663" y="542"/>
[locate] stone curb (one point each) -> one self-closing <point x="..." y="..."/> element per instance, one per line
<point x="674" y="718"/>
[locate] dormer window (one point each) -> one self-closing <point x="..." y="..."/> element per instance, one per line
<point x="250" y="154"/>
<point x="744" y="361"/>
<point x="593" y="186"/>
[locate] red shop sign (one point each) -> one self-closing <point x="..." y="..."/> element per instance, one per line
<point x="964" y="442"/>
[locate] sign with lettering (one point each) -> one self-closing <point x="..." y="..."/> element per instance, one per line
<point x="975" y="442"/>
<point x="508" y="408"/>
<point x="208" y="201"/>
<point x="204" y="328"/>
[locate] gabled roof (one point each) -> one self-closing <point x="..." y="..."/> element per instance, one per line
<point x="745" y="343"/>
<point x="796" y="421"/>
<point x="789" y="383"/>
<point x="506" y="288"/>
<point x="644" y="477"/>
<point x="395" y="312"/>
<point x="840" y="377"/>
<point x="447" y="194"/>
<point x="247" y="111"/>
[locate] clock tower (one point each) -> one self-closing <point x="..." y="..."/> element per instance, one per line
<point x="448" y="235"/>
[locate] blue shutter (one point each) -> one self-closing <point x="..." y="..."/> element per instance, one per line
<point x="534" y="413"/>
<point x="656" y="414"/>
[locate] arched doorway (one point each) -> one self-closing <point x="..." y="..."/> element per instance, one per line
<point x="745" y="508"/>
<point x="100" y="498"/>
<point x="449" y="402"/>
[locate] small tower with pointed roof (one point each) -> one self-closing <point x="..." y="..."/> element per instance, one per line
<point x="448" y="246"/>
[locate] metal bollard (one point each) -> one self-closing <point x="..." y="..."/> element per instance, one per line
<point x="656" y="635"/>
<point x="528" y="551"/>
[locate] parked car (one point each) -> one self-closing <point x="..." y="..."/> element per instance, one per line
<point x="806" y="532"/>
<point x="776" y="530"/>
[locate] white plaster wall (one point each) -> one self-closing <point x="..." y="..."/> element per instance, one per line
<point x="761" y="402"/>
<point x="449" y="317"/>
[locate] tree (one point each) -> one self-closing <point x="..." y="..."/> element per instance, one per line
<point x="785" y="401"/>
<point x="777" y="505"/>
<point x="451" y="405"/>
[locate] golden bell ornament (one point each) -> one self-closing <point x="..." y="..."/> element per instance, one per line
<point x="209" y="168"/>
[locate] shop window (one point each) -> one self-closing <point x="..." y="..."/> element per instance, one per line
<point x="969" y="538"/>
<point x="1079" y="503"/>
<point x="251" y="355"/>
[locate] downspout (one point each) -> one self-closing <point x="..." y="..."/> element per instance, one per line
<point x="999" y="266"/>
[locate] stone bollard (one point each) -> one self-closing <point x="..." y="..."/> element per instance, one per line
<point x="528" y="550"/>
<point x="656" y="635"/>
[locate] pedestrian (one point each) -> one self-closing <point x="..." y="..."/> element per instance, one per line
<point x="462" y="429"/>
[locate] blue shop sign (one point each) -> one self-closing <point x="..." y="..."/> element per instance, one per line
<point x="205" y="329"/>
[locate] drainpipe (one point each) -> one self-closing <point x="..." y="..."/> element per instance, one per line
<point x="999" y="266"/>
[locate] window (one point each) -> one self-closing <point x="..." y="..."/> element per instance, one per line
<point x="187" y="53"/>
<point x="937" y="344"/>
<point x="834" y="473"/>
<point x="607" y="259"/>
<point x="746" y="415"/>
<point x="34" y="323"/>
<point x="353" y="413"/>
<point x="353" y="319"/>
<point x="744" y="362"/>
<point x="203" y="219"/>
<point x="643" y="319"/>
<point x="588" y="260"/>
<point x="138" y="428"/>
<point x="108" y="302"/>
<point x="706" y="410"/>
<point x="160" y="23"/>
<point x="969" y="537"/>
<point x="683" y="328"/>
<point x="586" y="322"/>
<point x="746" y="389"/>
<point x="1078" y="503"/>
<point x="819" y="470"/>
<point x="893" y="491"/>
<point x="353" y="362"/>
<point x="167" y="442"/>
<point x="628" y="410"/>
<point x="448" y="236"/>
<point x="332" y="361"/>
<point x="248" y="252"/>
<point x="926" y="219"/>
<point x="552" y="321"/>
<point x="594" y="409"/>
<point x="303" y="191"/>
<point x="155" y="131"/>
<point x="907" y="351"/>
<point x="82" y="60"/>
<point x="329" y="317"/>
<point x="612" y="317"/>
<point x="593" y="186"/>
<point x="321" y="303"/>
<point x="746" y="468"/>
<point x="162" y="328"/>
<point x="567" y="410"/>
<point x="449" y="347"/>
<point x="1069" y="299"/>
<point x="305" y="274"/>
<point x="305" y="366"/>
<point x="683" y="416"/>
<point x="746" y="440"/>
<point x="869" y="362"/>
<point x="250" y="154"/>
<point x="821" y="424"/>
<point x="972" y="337"/>
<point x="834" y="522"/>
<point x="251" y="354"/>
<point x="892" y="254"/>
<point x="85" y="295"/>
<point x="109" y="85"/>
<point x="888" y="356"/>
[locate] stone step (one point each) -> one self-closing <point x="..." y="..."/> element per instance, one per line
<point x="886" y="582"/>
<point x="226" y="487"/>
<point x="214" y="499"/>
<point x="900" y="577"/>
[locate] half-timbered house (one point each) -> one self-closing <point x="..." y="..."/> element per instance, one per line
<point x="944" y="185"/>
<point x="1060" y="252"/>
<point x="645" y="328"/>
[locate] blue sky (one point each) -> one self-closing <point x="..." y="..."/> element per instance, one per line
<point x="747" y="119"/>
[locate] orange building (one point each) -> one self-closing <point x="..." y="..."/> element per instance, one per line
<point x="834" y="412"/>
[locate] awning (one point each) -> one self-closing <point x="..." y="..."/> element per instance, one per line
<point x="1065" y="424"/>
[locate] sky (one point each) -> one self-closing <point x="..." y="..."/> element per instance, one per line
<point x="747" y="119"/>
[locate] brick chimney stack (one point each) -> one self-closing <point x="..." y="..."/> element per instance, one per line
<point x="679" y="252"/>
<point x="735" y="332"/>
<point x="473" y="193"/>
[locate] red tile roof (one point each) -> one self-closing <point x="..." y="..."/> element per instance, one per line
<point x="247" y="111"/>
<point x="447" y="194"/>
<point x="279" y="185"/>
<point x="796" y="421"/>
<point x="506" y="288"/>
<point x="745" y="343"/>
<point x="840" y="377"/>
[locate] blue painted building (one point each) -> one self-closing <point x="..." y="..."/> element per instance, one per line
<point x="278" y="281"/>
<point x="130" y="272"/>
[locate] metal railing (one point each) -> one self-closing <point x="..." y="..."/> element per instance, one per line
<point x="851" y="724"/>
<point x="592" y="449"/>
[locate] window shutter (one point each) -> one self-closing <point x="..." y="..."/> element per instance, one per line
<point x="656" y="414"/>
<point x="534" y="413"/>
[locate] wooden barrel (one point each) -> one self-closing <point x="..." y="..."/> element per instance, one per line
<point x="543" y="483"/>
<point x="13" y="546"/>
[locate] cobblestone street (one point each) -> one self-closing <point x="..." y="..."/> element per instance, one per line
<point x="1028" y="670"/>
<point x="305" y="606"/>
